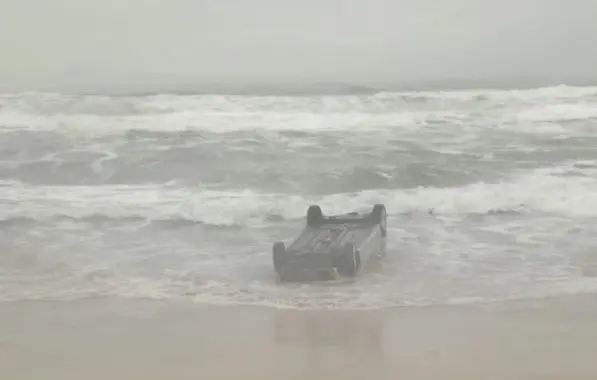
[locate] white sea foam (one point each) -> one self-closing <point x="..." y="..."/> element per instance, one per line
<point x="219" y="113"/>
<point x="538" y="191"/>
<point x="522" y="229"/>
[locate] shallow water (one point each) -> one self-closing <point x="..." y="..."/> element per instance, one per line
<point x="491" y="195"/>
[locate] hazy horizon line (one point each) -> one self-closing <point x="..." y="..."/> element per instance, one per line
<point x="325" y="88"/>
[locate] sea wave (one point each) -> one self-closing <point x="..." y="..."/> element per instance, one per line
<point x="89" y="114"/>
<point x="566" y="190"/>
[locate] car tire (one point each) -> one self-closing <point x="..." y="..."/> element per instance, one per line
<point x="314" y="215"/>
<point x="380" y="216"/>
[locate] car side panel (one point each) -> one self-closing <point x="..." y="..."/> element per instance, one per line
<point x="371" y="247"/>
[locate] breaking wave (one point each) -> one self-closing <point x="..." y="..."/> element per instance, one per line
<point x="542" y="190"/>
<point x="93" y="115"/>
<point x="491" y="194"/>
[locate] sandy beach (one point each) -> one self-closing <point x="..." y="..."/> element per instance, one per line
<point x="120" y="339"/>
<point x="154" y="153"/>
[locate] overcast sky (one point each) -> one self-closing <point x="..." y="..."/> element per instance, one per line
<point x="153" y="45"/>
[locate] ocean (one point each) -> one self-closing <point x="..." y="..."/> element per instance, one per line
<point x="491" y="194"/>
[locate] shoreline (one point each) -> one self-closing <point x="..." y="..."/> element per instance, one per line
<point x="553" y="338"/>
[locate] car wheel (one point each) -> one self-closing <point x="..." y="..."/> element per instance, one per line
<point x="314" y="215"/>
<point x="380" y="216"/>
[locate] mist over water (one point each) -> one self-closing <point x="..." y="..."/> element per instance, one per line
<point x="271" y="46"/>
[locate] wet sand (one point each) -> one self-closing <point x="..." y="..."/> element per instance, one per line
<point x="129" y="339"/>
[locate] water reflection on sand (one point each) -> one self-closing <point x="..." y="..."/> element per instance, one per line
<point x="325" y="340"/>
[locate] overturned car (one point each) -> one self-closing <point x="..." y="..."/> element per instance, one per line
<point x="332" y="246"/>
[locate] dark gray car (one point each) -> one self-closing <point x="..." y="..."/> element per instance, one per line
<point x="332" y="246"/>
